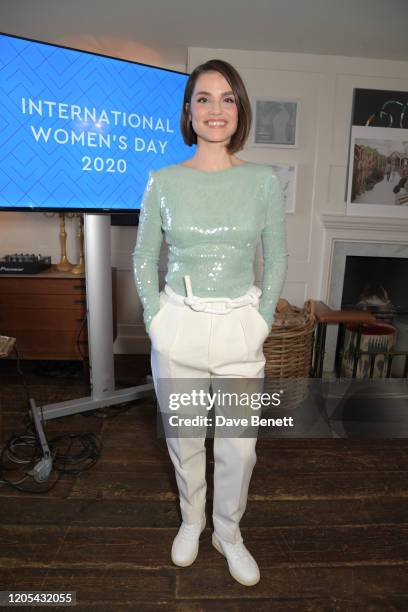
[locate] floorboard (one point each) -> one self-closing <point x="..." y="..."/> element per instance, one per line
<point x="326" y="518"/>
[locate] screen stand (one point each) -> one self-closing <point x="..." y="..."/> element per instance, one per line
<point x="98" y="277"/>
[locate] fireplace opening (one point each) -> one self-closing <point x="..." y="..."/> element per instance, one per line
<point x="378" y="285"/>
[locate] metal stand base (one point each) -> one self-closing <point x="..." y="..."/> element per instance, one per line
<point x="41" y="414"/>
<point x="100" y="341"/>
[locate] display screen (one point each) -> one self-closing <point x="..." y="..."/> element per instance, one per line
<point x="80" y="131"/>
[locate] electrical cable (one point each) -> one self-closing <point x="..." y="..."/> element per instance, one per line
<point x="21" y="452"/>
<point x="78" y="343"/>
<point x="20" y="372"/>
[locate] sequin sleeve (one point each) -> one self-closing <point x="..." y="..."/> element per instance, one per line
<point x="274" y="246"/>
<point x="147" y="251"/>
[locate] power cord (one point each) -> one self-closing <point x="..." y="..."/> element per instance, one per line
<point x="23" y="452"/>
<point x="78" y="343"/>
<point x="21" y="373"/>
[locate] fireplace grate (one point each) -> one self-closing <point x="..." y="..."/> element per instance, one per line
<point x="378" y="362"/>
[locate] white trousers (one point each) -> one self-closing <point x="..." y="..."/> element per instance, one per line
<point x="209" y="340"/>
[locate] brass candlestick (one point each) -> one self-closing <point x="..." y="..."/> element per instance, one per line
<point x="80" y="267"/>
<point x="64" y="265"/>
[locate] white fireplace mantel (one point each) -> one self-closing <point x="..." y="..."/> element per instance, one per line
<point x="332" y="221"/>
<point x="361" y="231"/>
<point x="355" y="235"/>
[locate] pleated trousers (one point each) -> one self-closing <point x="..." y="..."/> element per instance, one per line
<point x="198" y="344"/>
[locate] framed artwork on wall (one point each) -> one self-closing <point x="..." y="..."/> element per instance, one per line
<point x="380" y="108"/>
<point x="275" y="123"/>
<point x="378" y="172"/>
<point x="287" y="174"/>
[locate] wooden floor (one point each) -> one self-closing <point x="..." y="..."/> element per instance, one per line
<point x="327" y="519"/>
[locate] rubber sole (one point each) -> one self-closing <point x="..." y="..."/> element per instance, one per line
<point x="218" y="547"/>
<point x="187" y="563"/>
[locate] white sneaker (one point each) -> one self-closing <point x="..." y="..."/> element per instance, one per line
<point x="241" y="564"/>
<point x="185" y="545"/>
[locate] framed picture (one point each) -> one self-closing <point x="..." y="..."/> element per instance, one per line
<point x="275" y="123"/>
<point x="287" y="174"/>
<point x="380" y="108"/>
<point x="378" y="167"/>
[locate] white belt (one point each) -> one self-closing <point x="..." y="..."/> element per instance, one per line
<point x="220" y="305"/>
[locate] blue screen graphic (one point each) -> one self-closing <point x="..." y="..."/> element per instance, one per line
<point x="80" y="131"/>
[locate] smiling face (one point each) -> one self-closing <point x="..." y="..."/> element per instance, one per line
<point x="213" y="109"/>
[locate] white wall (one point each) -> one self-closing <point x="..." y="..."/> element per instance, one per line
<point x="324" y="85"/>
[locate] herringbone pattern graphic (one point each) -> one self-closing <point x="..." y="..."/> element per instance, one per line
<point x="46" y="148"/>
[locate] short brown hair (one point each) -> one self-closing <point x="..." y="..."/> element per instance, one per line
<point x="231" y="75"/>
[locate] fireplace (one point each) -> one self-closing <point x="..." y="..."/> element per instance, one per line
<point x="365" y="267"/>
<point x="376" y="284"/>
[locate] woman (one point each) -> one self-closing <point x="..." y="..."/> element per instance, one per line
<point x="210" y="321"/>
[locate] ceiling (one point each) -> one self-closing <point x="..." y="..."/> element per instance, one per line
<point x="160" y="31"/>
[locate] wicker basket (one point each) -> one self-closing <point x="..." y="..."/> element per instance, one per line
<point x="288" y="350"/>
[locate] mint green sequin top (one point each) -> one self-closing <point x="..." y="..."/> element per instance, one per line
<point x="212" y="223"/>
